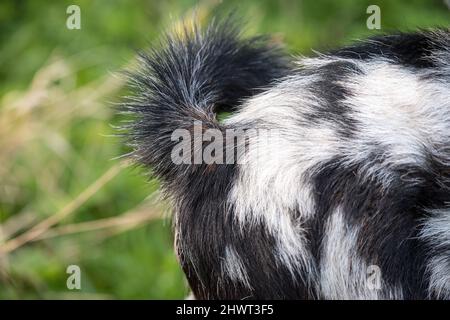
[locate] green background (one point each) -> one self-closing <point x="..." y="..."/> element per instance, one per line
<point x="57" y="88"/>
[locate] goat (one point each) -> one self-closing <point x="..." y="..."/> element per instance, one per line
<point x="353" y="174"/>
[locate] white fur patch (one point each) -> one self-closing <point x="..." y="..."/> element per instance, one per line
<point x="343" y="274"/>
<point x="439" y="271"/>
<point x="397" y="111"/>
<point x="436" y="231"/>
<point x="233" y="267"/>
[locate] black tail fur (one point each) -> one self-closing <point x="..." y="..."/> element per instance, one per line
<point x="189" y="77"/>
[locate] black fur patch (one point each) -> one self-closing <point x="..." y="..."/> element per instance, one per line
<point x="332" y="93"/>
<point x="408" y="49"/>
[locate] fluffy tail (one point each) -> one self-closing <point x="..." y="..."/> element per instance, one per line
<point x="188" y="78"/>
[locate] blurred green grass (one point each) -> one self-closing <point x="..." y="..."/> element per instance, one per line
<point x="56" y="89"/>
